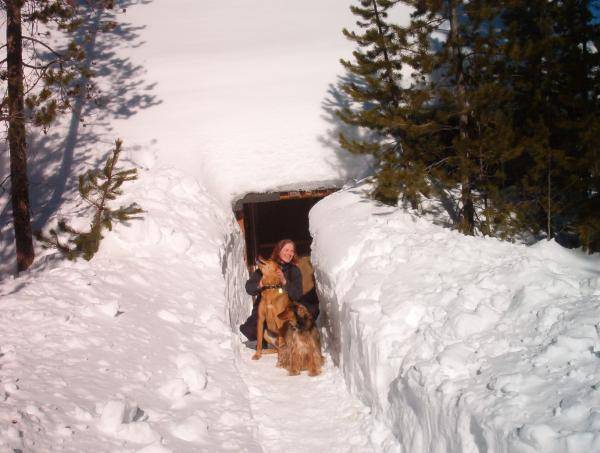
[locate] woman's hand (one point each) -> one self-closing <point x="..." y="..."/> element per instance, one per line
<point x="281" y="277"/>
<point x="260" y="283"/>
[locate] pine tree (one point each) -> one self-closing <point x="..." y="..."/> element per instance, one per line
<point x="436" y="129"/>
<point x="503" y="106"/>
<point x="97" y="188"/>
<point x="50" y="78"/>
<point x="554" y="75"/>
<point x="374" y="86"/>
<point x="452" y="111"/>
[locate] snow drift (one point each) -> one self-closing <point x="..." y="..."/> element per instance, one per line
<point x="131" y="351"/>
<point x="460" y="344"/>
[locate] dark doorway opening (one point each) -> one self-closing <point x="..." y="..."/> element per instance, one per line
<point x="267" y="218"/>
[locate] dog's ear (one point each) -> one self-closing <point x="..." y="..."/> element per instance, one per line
<point x="303" y="311"/>
<point x="285" y="315"/>
<point x="307" y="320"/>
<point x="262" y="264"/>
<point x="300" y="321"/>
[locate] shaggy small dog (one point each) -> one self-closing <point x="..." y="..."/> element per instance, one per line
<point x="302" y="349"/>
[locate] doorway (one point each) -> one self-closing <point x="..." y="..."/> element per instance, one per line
<point x="267" y="218"/>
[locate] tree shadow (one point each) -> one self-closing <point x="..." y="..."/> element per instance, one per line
<point x="57" y="158"/>
<point x="344" y="162"/>
<point x="441" y="208"/>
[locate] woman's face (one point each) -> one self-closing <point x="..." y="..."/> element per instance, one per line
<point x="287" y="253"/>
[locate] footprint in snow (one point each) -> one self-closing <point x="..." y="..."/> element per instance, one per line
<point x="109" y="309"/>
<point x="192" y="370"/>
<point x="126" y="421"/>
<point x="180" y="242"/>
<point x="175" y="389"/>
<point x="229" y="419"/>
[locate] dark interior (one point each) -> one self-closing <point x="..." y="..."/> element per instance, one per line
<point x="268" y="222"/>
<point x="266" y="218"/>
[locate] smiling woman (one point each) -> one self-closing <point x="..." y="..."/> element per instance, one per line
<point x="264" y="219"/>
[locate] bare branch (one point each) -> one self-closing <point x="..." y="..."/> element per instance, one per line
<point x="41" y="68"/>
<point x="29" y="38"/>
<point x="31" y="86"/>
<point x="2" y="184"/>
<point x="436" y="164"/>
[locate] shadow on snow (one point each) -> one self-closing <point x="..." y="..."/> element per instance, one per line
<point x="55" y="159"/>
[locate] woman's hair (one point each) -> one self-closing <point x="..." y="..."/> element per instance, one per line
<point x="281" y="244"/>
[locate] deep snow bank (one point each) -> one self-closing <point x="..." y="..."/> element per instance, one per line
<point x="131" y="351"/>
<point x="460" y="344"/>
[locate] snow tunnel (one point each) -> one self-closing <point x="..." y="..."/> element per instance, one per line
<point x="266" y="218"/>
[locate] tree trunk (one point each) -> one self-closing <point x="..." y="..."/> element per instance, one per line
<point x="467" y="214"/>
<point x="388" y="64"/>
<point x="549" y="198"/>
<point x="16" y="137"/>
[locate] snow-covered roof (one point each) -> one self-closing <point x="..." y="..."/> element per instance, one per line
<point x="246" y="92"/>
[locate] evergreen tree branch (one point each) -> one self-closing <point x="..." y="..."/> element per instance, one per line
<point x="86" y="244"/>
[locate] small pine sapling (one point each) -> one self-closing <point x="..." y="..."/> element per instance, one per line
<point x="98" y="188"/>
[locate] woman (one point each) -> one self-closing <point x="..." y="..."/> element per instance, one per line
<point x="284" y="253"/>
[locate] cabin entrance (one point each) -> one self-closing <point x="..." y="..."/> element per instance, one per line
<point x="267" y="218"/>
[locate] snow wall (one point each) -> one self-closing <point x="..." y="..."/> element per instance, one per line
<point x="235" y="274"/>
<point x="459" y="344"/>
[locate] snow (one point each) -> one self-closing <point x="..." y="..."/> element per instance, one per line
<point x="134" y="350"/>
<point x="435" y="342"/>
<point x="459" y="343"/>
<point x="287" y="411"/>
<point x="244" y="87"/>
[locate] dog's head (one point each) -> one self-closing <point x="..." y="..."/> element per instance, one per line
<point x="297" y="316"/>
<point x="268" y="269"/>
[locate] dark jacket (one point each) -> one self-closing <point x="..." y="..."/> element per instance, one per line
<point x="293" y="286"/>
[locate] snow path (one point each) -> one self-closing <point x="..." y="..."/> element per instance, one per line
<point x="301" y="413"/>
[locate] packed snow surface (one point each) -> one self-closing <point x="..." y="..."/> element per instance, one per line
<point x="436" y="342"/>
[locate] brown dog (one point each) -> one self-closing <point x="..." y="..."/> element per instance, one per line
<point x="273" y="301"/>
<point x="302" y="348"/>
